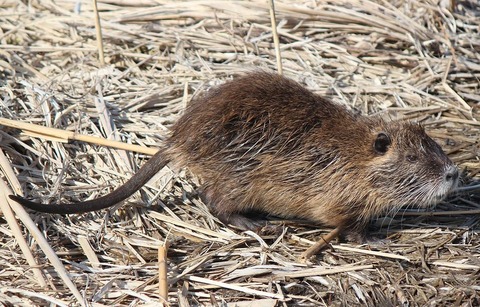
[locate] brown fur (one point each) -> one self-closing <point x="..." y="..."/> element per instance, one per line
<point x="263" y="142"/>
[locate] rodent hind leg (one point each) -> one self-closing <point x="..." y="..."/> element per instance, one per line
<point x="258" y="223"/>
<point x="229" y="212"/>
<point x="241" y="221"/>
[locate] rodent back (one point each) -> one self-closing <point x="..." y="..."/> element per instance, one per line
<point x="259" y="110"/>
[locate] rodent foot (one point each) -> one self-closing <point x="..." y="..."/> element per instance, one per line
<point x="356" y="236"/>
<point x="363" y="237"/>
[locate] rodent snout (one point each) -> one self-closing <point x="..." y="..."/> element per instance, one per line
<point x="451" y="174"/>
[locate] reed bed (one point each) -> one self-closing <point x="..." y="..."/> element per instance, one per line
<point x="418" y="60"/>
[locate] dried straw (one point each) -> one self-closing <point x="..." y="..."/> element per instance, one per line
<point x="416" y="60"/>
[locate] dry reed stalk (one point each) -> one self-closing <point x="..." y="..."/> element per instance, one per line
<point x="324" y="240"/>
<point x="162" y="273"/>
<point x="273" y="21"/>
<point x="98" y="29"/>
<point x="66" y="136"/>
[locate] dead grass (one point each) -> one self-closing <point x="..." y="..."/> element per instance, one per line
<point x="409" y="59"/>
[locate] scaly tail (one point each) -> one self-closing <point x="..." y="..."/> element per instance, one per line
<point x="147" y="171"/>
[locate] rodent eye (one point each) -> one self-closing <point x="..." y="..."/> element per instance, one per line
<point x="412" y="158"/>
<point x="382" y="142"/>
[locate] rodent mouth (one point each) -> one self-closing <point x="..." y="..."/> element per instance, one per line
<point x="432" y="195"/>
<point x="443" y="193"/>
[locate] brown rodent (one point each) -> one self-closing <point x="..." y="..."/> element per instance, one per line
<point x="263" y="142"/>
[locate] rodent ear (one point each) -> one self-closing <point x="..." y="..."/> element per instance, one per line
<point x="382" y="142"/>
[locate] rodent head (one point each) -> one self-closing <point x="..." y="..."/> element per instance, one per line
<point x="409" y="167"/>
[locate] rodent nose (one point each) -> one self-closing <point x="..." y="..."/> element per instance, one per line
<point x="451" y="174"/>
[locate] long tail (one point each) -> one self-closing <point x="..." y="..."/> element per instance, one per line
<point x="150" y="168"/>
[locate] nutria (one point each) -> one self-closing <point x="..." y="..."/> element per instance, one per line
<point x="263" y="142"/>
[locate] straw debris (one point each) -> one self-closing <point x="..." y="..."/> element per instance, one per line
<point x="413" y="59"/>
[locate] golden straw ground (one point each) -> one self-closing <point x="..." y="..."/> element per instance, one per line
<point x="417" y="60"/>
